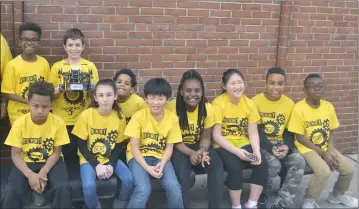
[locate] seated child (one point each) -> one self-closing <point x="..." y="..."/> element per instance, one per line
<point x="196" y="120"/>
<point x="69" y="104"/>
<point x="24" y="69"/>
<point x="313" y="120"/>
<point x="275" y="108"/>
<point x="36" y="139"/>
<point x="99" y="131"/>
<point x="153" y="131"/>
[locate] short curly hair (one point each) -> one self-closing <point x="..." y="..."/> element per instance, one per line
<point x="128" y="72"/>
<point x="41" y="88"/>
<point x="28" y="25"/>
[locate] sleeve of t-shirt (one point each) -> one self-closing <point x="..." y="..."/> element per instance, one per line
<point x="174" y="135"/>
<point x="54" y="75"/>
<point x="296" y="122"/>
<point x="61" y="136"/>
<point x="210" y="119"/>
<point x="133" y="128"/>
<point x="95" y="77"/>
<point x="256" y="100"/>
<point x="6" y="55"/>
<point x="121" y="132"/>
<point x="8" y="82"/>
<point x="218" y="112"/>
<point x="291" y="105"/>
<point x="14" y="138"/>
<point x="80" y="128"/>
<point x="334" y="123"/>
<point x="253" y="116"/>
<point x="47" y="70"/>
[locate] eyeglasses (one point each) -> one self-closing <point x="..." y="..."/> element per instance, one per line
<point x="33" y="40"/>
<point x="316" y="87"/>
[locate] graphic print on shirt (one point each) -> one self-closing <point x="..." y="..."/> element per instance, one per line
<point x="29" y="79"/>
<point x="273" y="122"/>
<point x="234" y="126"/>
<point x="191" y="135"/>
<point x="102" y="146"/>
<point x="40" y="148"/>
<point x="319" y="134"/>
<point x="155" y="143"/>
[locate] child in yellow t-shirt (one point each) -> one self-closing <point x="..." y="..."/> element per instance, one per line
<point x="36" y="139"/>
<point x="70" y="103"/>
<point x="128" y="100"/>
<point x="196" y="120"/>
<point x="23" y="70"/>
<point x="6" y="56"/>
<point x="234" y="113"/>
<point x="313" y="120"/>
<point x="99" y="132"/>
<point x="275" y="108"/>
<point x="153" y="131"/>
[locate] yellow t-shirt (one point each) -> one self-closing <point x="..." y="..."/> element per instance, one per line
<point x="17" y="78"/>
<point x="132" y="105"/>
<point x="274" y="115"/>
<point x="101" y="133"/>
<point x="234" y="119"/>
<point x="6" y="55"/>
<point x="70" y="104"/>
<point x="37" y="141"/>
<point x="153" y="135"/>
<point x="314" y="124"/>
<point x="192" y="134"/>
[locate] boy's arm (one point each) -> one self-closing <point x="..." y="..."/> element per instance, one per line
<point x="288" y="139"/>
<point x="19" y="162"/>
<point x="52" y="160"/>
<point x="137" y="153"/>
<point x="306" y="142"/>
<point x="15" y="97"/>
<point x="167" y="153"/>
<point x="264" y="142"/>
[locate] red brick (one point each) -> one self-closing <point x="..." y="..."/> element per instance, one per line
<point x="207" y="65"/>
<point x="151" y="11"/>
<point x="186" y="35"/>
<point x="220" y="13"/>
<point x="150" y="58"/>
<point x="102" y="58"/>
<point x="90" y="18"/>
<point x="232" y="21"/>
<point x="225" y="28"/>
<point x="196" y="43"/>
<point x="227" y="64"/>
<point x="187" y="4"/>
<point x="186" y="50"/>
<point x="199" y="13"/>
<point x="122" y="27"/>
<point x="261" y="14"/>
<point x="115" y="3"/>
<point x="117" y="35"/>
<point x="175" y="12"/>
<point x="165" y="4"/>
<point x="127" y="11"/>
<point x="252" y="7"/>
<point x="231" y="6"/>
<point x="139" y="19"/>
<point x="162" y="64"/>
<point x="196" y="57"/>
<point x="251" y="21"/>
<point x="140" y="4"/>
<point x="163" y="35"/>
<point x="103" y="10"/>
<point x="127" y="58"/>
<point x="89" y="3"/>
<point x="187" y="20"/>
<point x="228" y="35"/>
<point x="174" y="43"/>
<point x="101" y="42"/>
<point x="217" y="42"/>
<point x="164" y="19"/>
<point x="207" y="50"/>
<point x="174" y="57"/>
<point x="139" y="51"/>
<point x="241" y="14"/>
<point x="208" y="35"/>
<point x="76" y="10"/>
<point x="49" y="9"/>
<point x="185" y="65"/>
<point x="162" y="50"/>
<point x="139" y="35"/>
<point x="229" y="50"/>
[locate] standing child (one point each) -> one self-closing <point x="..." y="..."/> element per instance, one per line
<point x="154" y="131"/>
<point x="70" y="104"/>
<point x="313" y="120"/>
<point x="99" y="131"/>
<point x="196" y="119"/>
<point x="23" y="70"/>
<point x="6" y="56"/>
<point x="234" y="114"/>
<point x="36" y="139"/>
<point x="275" y="108"/>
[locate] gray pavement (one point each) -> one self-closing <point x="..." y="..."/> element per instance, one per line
<point x="199" y="192"/>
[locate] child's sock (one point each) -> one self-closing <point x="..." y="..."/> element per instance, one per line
<point x="236" y="207"/>
<point x="251" y="203"/>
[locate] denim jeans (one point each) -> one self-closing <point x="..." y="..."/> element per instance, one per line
<point x="88" y="178"/>
<point x="142" y="181"/>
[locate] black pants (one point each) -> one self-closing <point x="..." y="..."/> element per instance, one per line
<point x="57" y="190"/>
<point x="182" y="166"/>
<point x="70" y="151"/>
<point x="234" y="166"/>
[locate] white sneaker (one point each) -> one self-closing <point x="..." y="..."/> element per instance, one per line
<point x="309" y="203"/>
<point x="344" y="199"/>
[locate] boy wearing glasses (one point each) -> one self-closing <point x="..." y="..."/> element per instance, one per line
<point x="23" y="70"/>
<point x="313" y="120"/>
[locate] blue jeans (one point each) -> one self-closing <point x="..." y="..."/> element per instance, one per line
<point x="88" y="178"/>
<point x="142" y="180"/>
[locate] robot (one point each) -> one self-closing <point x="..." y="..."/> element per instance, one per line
<point x="75" y="79"/>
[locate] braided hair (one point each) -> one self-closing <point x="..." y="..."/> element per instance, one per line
<point x="181" y="106"/>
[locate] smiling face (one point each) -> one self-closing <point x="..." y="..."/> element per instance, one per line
<point x="156" y="103"/>
<point x="235" y="86"/>
<point x="74" y="48"/>
<point x="124" y="86"/>
<point x="192" y="93"/>
<point x="275" y="86"/>
<point x="29" y="41"/>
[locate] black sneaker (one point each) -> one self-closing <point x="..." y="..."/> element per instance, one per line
<point x="262" y="201"/>
<point x="279" y="203"/>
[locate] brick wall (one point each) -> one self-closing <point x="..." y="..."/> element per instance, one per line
<point x="166" y="38"/>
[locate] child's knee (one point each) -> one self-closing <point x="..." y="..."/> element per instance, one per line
<point x="89" y="187"/>
<point x="172" y="185"/>
<point x="143" y="191"/>
<point x="322" y="172"/>
<point x="274" y="167"/>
